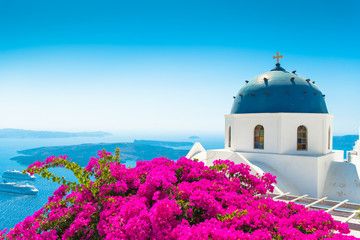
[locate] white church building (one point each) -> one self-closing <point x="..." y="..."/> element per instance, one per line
<point x="279" y="123"/>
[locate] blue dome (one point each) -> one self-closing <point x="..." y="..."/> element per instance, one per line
<point x="279" y="91"/>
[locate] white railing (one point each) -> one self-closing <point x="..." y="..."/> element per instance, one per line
<point x="341" y="211"/>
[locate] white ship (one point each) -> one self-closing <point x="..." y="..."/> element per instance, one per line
<point x="16" y="188"/>
<point x="17" y="175"/>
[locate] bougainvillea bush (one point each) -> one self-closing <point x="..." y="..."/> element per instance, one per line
<point x="165" y="199"/>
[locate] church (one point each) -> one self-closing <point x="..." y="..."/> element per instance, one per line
<point x="279" y="123"/>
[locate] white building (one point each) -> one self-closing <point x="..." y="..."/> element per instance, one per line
<point x="279" y="123"/>
<point x="354" y="155"/>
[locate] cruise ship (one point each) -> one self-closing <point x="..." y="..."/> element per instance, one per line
<point x="14" y="174"/>
<point x="16" y="188"/>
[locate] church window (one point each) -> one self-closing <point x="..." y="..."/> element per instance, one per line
<point x="301" y="138"/>
<point x="259" y="137"/>
<point x="329" y="138"/>
<point x="229" y="142"/>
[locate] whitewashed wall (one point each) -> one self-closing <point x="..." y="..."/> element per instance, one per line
<point x="305" y="174"/>
<point x="280" y="132"/>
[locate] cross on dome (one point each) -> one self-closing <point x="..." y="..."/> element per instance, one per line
<point x="278" y="56"/>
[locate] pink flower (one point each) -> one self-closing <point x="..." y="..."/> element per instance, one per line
<point x="165" y="199"/>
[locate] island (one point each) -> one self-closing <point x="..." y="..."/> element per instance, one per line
<point x="21" y="133"/>
<point x="194" y="137"/>
<point x="139" y="150"/>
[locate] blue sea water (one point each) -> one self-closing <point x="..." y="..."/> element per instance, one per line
<point x="15" y="207"/>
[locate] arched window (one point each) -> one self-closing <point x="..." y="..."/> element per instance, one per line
<point x="329" y="138"/>
<point x="259" y="137"/>
<point x="229" y="142"/>
<point x="301" y="138"/>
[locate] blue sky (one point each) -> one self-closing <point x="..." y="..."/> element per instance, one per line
<point x="167" y="66"/>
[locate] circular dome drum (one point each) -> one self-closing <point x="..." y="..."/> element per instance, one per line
<point x="279" y="91"/>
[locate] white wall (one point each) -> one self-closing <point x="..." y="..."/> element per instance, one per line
<point x="343" y="182"/>
<point x="317" y="126"/>
<point x="280" y="132"/>
<point x="301" y="171"/>
<point x="317" y="176"/>
<point x="243" y="132"/>
<point x="324" y="164"/>
<point x="307" y="174"/>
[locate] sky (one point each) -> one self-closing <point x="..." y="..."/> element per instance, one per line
<point x="167" y="66"/>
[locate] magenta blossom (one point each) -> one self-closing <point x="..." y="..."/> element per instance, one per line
<point x="165" y="199"/>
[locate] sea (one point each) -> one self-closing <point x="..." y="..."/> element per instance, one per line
<point x="15" y="208"/>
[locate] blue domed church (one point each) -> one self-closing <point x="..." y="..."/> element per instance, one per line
<point x="286" y="113"/>
<point x="279" y="123"/>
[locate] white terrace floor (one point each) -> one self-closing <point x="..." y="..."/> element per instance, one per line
<point x="340" y="211"/>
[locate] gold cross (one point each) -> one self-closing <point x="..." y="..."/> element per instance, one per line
<point x="278" y="57"/>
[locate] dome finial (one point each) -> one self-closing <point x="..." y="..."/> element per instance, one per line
<point x="278" y="56"/>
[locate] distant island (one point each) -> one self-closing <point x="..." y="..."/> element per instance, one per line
<point x="194" y="137"/>
<point x="139" y="150"/>
<point x="163" y="143"/>
<point x="20" y="133"/>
